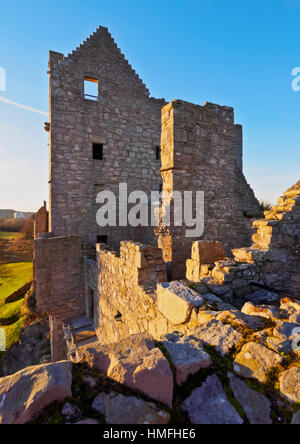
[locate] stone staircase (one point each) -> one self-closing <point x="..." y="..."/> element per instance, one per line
<point x="79" y="332"/>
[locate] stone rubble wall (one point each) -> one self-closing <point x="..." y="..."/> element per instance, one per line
<point x="201" y="152"/>
<point x="273" y="259"/>
<point x="127" y="302"/>
<point x="125" y="120"/>
<point x="59" y="284"/>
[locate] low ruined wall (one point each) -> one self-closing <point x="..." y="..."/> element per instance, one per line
<point x="127" y="299"/>
<point x="59" y="270"/>
<point x="273" y="259"/>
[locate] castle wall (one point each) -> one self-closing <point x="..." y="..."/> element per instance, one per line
<point x="272" y="260"/>
<point x="124" y="119"/>
<point x="202" y="151"/>
<point x="59" y="284"/>
<point x="127" y="299"/>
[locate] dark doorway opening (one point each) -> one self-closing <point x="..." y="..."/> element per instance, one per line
<point x="91" y="303"/>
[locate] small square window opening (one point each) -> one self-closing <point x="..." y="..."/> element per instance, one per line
<point x="91" y="91"/>
<point x="97" y="151"/>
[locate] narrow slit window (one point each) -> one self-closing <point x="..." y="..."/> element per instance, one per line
<point x="97" y="151"/>
<point x="91" y="89"/>
<point x="158" y="152"/>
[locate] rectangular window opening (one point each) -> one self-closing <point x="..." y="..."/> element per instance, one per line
<point x="97" y="151"/>
<point x="158" y="152"/>
<point x="91" y="90"/>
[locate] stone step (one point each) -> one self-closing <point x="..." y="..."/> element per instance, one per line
<point x="288" y="206"/>
<point x="261" y="241"/>
<point x="292" y="193"/>
<point x="264" y="223"/>
<point x="249" y="255"/>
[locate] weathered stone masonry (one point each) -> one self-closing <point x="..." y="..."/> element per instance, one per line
<point x="201" y="150"/>
<point x="60" y="284"/>
<point x="125" y="120"/>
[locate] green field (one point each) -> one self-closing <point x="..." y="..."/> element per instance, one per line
<point x="12" y="277"/>
<point x="9" y="236"/>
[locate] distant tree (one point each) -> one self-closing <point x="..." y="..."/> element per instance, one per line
<point x="28" y="229"/>
<point x="11" y="225"/>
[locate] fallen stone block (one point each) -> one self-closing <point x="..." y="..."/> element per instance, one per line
<point x="25" y="394"/>
<point x="215" y="333"/>
<point x="176" y="301"/>
<point x="249" y="255"/>
<point x="119" y="409"/>
<point x="238" y="319"/>
<point x="187" y="355"/>
<point x="256" y="406"/>
<point x="255" y="361"/>
<point x="295" y="318"/>
<point x="207" y="252"/>
<point x="209" y="405"/>
<point x="265" y="311"/>
<point x="262" y="297"/>
<point x="289" y="384"/>
<point x="296" y="418"/>
<point x="135" y="362"/>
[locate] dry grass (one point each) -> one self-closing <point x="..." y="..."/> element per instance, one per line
<point x="14" y="248"/>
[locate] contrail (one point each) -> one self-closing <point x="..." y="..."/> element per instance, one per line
<point x="19" y="105"/>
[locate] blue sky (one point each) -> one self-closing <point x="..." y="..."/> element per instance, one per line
<point x="238" y="53"/>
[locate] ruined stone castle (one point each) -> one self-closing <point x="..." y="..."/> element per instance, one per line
<point x="103" y="284"/>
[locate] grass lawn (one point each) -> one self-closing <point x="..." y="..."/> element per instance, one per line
<point x="12" y="277"/>
<point x="9" y="236"/>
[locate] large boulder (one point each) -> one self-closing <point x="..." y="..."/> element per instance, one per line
<point x="176" y="301"/>
<point x="255" y="361"/>
<point x="265" y="311"/>
<point x="135" y="362"/>
<point x="209" y="405"/>
<point x="25" y="394"/>
<point x="119" y="409"/>
<point x="214" y="332"/>
<point x="296" y="418"/>
<point x="289" y="384"/>
<point x="187" y="355"/>
<point x="238" y="319"/>
<point x="262" y="297"/>
<point x="256" y="406"/>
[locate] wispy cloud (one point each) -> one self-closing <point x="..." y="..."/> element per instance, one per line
<point x="19" y="105"/>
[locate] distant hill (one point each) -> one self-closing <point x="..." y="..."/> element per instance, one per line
<point x="6" y="214"/>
